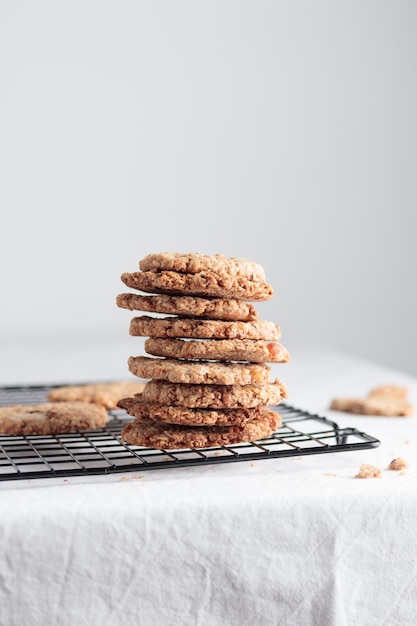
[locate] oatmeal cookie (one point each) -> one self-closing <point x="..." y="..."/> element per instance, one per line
<point x="170" y="437"/>
<point x="202" y="372"/>
<point x="189" y="306"/>
<point x="371" y="406"/>
<point x="51" y="418"/>
<point x="105" y="394"/>
<point x="194" y="262"/>
<point x="146" y="326"/>
<point x="143" y="410"/>
<point x="386" y="400"/>
<point x="214" y="396"/>
<point x="218" y="349"/>
<point x="389" y="392"/>
<point x="206" y="284"/>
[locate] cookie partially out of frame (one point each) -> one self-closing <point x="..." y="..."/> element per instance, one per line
<point x="146" y="326"/>
<point x="198" y="372"/>
<point x="218" y="349"/>
<point x="170" y="437"/>
<point x="104" y="394"/>
<point x="205" y="284"/>
<point x="194" y="262"/>
<point x="214" y="396"/>
<point x="51" y="418"/>
<point x="188" y="417"/>
<point x="189" y="306"/>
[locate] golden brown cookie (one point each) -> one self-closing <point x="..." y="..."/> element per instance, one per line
<point x="386" y="400"/>
<point x="170" y="437"/>
<point x="146" y="326"/>
<point x="189" y="306"/>
<point x="205" y="284"/>
<point x="51" y="418"/>
<point x="194" y="262"/>
<point x="201" y="372"/>
<point x="105" y="394"/>
<point x="218" y="349"/>
<point x="143" y="410"/>
<point x="389" y="392"/>
<point x="214" y="396"/>
<point x="371" y="406"/>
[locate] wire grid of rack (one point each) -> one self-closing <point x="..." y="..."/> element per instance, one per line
<point x="102" y="451"/>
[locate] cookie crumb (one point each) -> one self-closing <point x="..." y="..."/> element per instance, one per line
<point x="368" y="471"/>
<point x="329" y="474"/>
<point x="402" y="473"/>
<point x="124" y="478"/>
<point x="252" y="464"/>
<point x="135" y="476"/>
<point x="398" y="464"/>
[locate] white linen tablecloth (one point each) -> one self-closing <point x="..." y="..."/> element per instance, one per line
<point x="291" y="541"/>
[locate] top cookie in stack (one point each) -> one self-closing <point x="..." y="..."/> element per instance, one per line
<point x="209" y="384"/>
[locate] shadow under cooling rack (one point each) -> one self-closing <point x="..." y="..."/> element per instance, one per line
<point x="102" y="451"/>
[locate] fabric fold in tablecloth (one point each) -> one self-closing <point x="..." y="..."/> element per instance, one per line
<point x="287" y="541"/>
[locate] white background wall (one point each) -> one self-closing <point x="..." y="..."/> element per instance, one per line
<point x="284" y="132"/>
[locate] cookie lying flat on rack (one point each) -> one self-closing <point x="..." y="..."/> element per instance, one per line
<point x="200" y="372"/>
<point x="105" y="394"/>
<point x="170" y="436"/>
<point x="51" y="418"/>
<point x="189" y="306"/>
<point x="218" y="349"/>
<point x="214" y="396"/>
<point x="143" y="410"/>
<point x="203" y="329"/>
<point x="194" y="262"/>
<point x="206" y="284"/>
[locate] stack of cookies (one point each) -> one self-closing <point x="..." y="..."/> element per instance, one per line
<point x="207" y="377"/>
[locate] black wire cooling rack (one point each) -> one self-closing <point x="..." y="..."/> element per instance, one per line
<point x="102" y="451"/>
